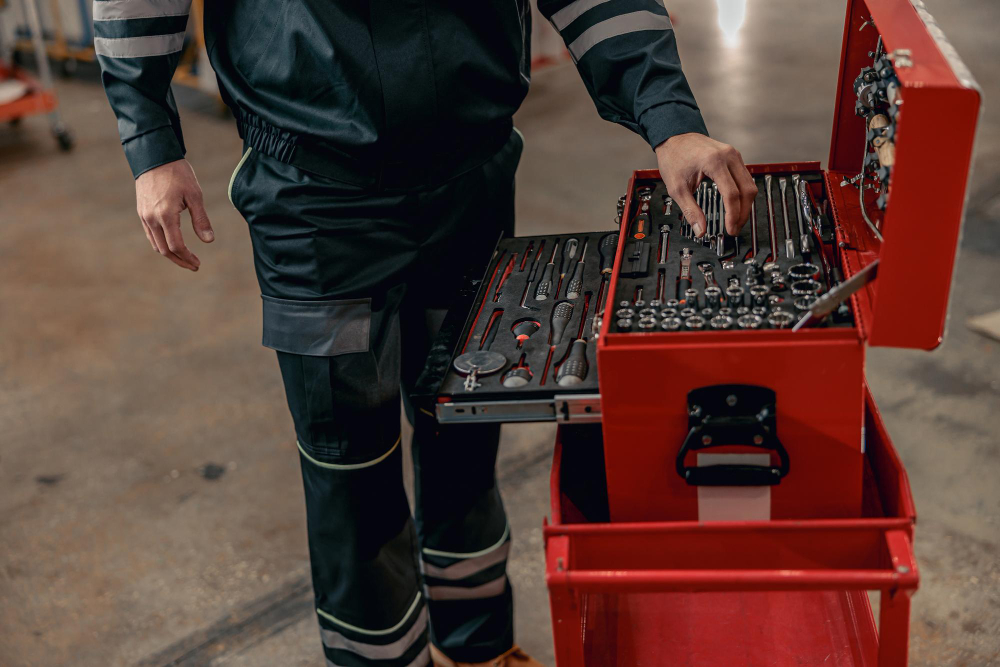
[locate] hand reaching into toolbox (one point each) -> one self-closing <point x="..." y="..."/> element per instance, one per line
<point x="161" y="195"/>
<point x="685" y="159"/>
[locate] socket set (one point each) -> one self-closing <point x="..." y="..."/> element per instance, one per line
<point x="527" y="350"/>
<point x="770" y="276"/>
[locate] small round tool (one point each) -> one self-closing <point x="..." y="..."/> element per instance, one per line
<point x="749" y="321"/>
<point x="803" y="271"/>
<point x="671" y="324"/>
<point x="806" y="287"/>
<point x="695" y="322"/>
<point x="483" y="362"/>
<point x="713" y="296"/>
<point x="624" y="324"/>
<point x="758" y="294"/>
<point x="780" y="319"/>
<point x="734" y="296"/>
<point x="721" y="322"/>
<point x="804" y="303"/>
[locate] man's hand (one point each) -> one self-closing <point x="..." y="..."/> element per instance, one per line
<point x="161" y="195"/>
<point x="685" y="159"/>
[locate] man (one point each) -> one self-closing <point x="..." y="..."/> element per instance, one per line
<point x="378" y="166"/>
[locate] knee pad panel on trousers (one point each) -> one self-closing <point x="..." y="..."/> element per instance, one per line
<point x="342" y="390"/>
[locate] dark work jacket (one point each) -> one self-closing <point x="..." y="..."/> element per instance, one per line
<point x="382" y="80"/>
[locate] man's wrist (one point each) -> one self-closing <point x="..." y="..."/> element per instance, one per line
<point x="670" y="119"/>
<point x="152" y="149"/>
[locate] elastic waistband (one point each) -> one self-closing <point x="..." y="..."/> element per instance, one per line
<point x="424" y="168"/>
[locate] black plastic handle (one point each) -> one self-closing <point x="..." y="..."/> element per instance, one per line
<point x="732" y="414"/>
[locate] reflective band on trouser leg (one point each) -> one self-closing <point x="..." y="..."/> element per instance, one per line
<point x="403" y="645"/>
<point x="472" y="576"/>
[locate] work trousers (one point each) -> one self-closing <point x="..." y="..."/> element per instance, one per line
<point x="354" y="281"/>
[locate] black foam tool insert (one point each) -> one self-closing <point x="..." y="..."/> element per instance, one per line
<point x="516" y="333"/>
<point x="661" y="280"/>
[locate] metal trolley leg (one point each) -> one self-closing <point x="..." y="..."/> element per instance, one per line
<point x="59" y="129"/>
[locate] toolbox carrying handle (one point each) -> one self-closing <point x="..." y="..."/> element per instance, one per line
<point x="732" y="414"/>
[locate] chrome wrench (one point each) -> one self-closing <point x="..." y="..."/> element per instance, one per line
<point x="772" y="226"/>
<point x="789" y="244"/>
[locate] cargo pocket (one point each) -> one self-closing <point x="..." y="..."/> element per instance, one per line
<point x="333" y="383"/>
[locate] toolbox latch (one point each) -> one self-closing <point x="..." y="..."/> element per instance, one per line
<point x="732" y="414"/>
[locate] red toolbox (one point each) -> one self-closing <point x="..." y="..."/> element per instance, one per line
<point x="898" y="78"/>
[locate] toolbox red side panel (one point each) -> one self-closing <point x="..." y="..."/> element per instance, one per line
<point x="820" y="399"/>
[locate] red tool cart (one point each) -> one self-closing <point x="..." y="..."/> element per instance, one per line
<point x="39" y="96"/>
<point x="724" y="491"/>
<point x="650" y="560"/>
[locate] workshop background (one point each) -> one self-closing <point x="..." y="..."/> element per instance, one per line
<point x="151" y="509"/>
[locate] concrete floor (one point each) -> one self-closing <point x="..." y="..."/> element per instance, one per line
<point x="123" y="379"/>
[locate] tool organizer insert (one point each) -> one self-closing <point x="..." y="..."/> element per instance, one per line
<point x="528" y="343"/>
<point x="670" y="280"/>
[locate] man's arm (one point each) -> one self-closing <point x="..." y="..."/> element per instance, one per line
<point x="626" y="53"/>
<point x="138" y="44"/>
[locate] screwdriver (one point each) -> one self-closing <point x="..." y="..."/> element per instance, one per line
<point x="608" y="246"/>
<point x="575" y="285"/>
<point x="519" y="374"/>
<point x="503" y="279"/>
<point x="491" y="330"/>
<point x="574" y="369"/>
<point x="545" y="282"/>
<point x="527" y="252"/>
<point x="569" y="252"/>
<point x="561" y="315"/>
<point x="640" y="227"/>
<point x="531" y="277"/>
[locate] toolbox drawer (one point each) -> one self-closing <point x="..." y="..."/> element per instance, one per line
<point x="721" y="593"/>
<point x="507" y="314"/>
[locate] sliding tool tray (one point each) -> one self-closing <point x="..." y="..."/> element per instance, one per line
<point x="520" y="344"/>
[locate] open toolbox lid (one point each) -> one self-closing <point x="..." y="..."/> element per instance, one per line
<point x="935" y="109"/>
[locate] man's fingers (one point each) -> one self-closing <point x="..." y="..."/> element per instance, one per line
<point x="693" y="215"/>
<point x="149" y="235"/>
<point x="199" y="219"/>
<point x="164" y="249"/>
<point x="748" y="192"/>
<point x="730" y="197"/>
<point x="175" y="241"/>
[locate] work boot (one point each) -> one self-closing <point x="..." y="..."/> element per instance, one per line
<point x="515" y="657"/>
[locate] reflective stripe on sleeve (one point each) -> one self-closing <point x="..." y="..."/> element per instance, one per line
<point x="139" y="47"/>
<point x="613" y="27"/>
<point x="572" y="12"/>
<point x="117" y="10"/>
